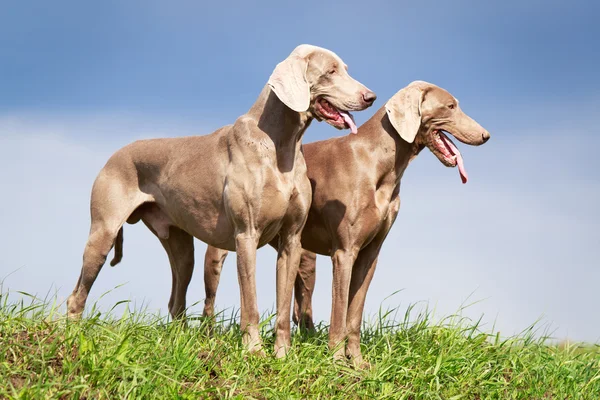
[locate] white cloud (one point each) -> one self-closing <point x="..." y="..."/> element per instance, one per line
<point x="522" y="233"/>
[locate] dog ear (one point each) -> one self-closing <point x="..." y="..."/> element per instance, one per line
<point x="404" y="112"/>
<point x="289" y="83"/>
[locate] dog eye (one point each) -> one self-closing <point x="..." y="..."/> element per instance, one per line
<point x="331" y="72"/>
<point x="451" y="106"/>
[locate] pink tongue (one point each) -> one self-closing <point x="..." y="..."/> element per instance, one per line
<point x="349" y="121"/>
<point x="461" y="168"/>
<point x="459" y="161"/>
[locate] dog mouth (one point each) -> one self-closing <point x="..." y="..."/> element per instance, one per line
<point x="334" y="116"/>
<point x="447" y="153"/>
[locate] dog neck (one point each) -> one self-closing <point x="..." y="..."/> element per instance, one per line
<point x="283" y="126"/>
<point x="391" y="153"/>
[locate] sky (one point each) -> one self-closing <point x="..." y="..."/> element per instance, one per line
<point x="78" y="81"/>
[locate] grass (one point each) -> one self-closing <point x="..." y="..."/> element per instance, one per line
<point x="144" y="356"/>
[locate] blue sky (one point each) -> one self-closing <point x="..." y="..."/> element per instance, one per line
<point x="197" y="59"/>
<point x="78" y="81"/>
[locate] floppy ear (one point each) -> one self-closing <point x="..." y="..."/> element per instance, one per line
<point x="404" y="112"/>
<point x="288" y="81"/>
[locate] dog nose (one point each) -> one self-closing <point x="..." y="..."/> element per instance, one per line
<point x="369" y="97"/>
<point x="485" y="136"/>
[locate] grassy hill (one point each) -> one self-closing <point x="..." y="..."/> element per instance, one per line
<point x="143" y="356"/>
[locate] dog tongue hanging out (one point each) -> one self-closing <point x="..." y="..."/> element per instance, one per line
<point x="334" y="116"/>
<point x="423" y="113"/>
<point x="450" y="151"/>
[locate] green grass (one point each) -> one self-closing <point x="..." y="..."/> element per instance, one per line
<point x="144" y="356"/>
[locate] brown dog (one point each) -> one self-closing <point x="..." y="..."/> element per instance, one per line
<point x="356" y="183"/>
<point x="236" y="188"/>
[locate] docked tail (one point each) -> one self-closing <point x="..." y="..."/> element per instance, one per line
<point x="118" y="248"/>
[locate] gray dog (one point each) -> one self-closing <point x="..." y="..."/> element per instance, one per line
<point x="235" y="189"/>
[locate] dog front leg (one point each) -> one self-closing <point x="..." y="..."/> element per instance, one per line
<point x="343" y="260"/>
<point x="288" y="260"/>
<point x="245" y="247"/>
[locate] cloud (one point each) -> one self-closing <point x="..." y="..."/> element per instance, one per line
<point x="522" y="234"/>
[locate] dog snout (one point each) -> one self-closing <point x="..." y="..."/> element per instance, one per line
<point x="369" y="97"/>
<point x="485" y="136"/>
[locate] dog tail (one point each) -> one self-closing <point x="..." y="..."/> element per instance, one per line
<point x="118" y="248"/>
